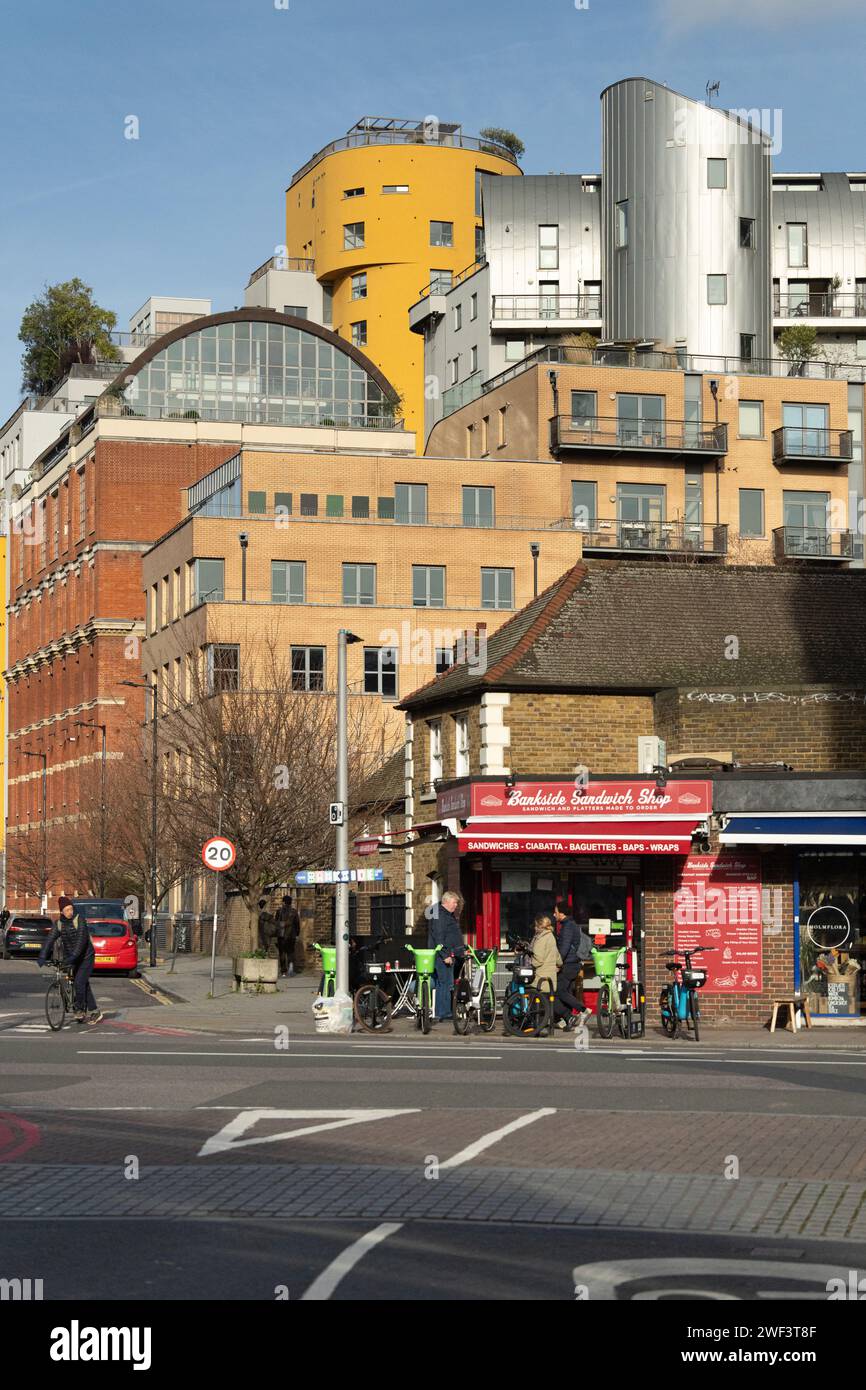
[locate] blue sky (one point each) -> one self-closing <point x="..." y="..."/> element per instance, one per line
<point x="233" y="95"/>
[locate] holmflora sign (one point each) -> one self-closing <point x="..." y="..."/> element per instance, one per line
<point x="687" y="799"/>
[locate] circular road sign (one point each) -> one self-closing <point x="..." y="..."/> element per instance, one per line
<point x="218" y="853"/>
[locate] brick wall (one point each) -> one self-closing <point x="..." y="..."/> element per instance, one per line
<point x="814" y="728"/>
<point x="553" y="733"/>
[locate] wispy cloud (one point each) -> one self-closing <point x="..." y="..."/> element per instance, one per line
<point x="767" y="14"/>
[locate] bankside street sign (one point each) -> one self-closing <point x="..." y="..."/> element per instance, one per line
<point x="305" y="878"/>
<point x="218" y="853"/>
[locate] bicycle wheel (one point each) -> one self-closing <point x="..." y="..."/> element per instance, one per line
<point x="462" y="1008"/>
<point x="695" y="1014"/>
<point x="538" y="1014"/>
<point x="488" y="1009"/>
<point x="624" y="1018"/>
<point x="373" y="1009"/>
<point x="512" y="1010"/>
<point x="424" y="1006"/>
<point x="670" y="1022"/>
<point x="604" y="1015"/>
<point x="55" y="1005"/>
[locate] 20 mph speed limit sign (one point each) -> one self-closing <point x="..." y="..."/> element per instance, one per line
<point x="218" y="853"/>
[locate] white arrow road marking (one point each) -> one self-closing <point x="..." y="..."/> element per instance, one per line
<point x="485" y="1142"/>
<point x="229" y="1136"/>
<point x="323" y="1286"/>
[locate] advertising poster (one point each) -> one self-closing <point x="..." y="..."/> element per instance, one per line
<point x="718" y="904"/>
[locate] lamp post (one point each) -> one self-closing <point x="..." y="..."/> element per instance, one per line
<point x="154" y="746"/>
<point x="44" y="876"/>
<point x="535" y="551"/>
<point x="341" y="907"/>
<point x="92" y="724"/>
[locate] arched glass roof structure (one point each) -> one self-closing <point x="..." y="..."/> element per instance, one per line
<point x="257" y="366"/>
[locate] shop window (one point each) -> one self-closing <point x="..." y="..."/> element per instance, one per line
<point x="832" y="933"/>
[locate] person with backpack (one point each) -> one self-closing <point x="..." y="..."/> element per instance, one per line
<point x="574" y="948"/>
<point x="73" y="934"/>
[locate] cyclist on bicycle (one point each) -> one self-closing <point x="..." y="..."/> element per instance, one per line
<point x="73" y="934"/>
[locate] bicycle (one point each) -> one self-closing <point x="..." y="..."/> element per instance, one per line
<point x="372" y="1004"/>
<point x="425" y="964"/>
<point x="526" y="1010"/>
<point x="678" y="1001"/>
<point x="610" y="1004"/>
<point x="474" y="993"/>
<point x="328" y="980"/>
<point x="59" y="997"/>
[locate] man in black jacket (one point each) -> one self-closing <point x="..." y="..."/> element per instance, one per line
<point x="444" y="931"/>
<point x="74" y="936"/>
<point x="573" y="949"/>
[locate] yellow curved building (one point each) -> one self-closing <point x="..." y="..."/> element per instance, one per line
<point x="383" y="211"/>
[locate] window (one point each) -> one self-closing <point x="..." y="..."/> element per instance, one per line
<point x="298" y="311"/>
<point x="485" y="435"/>
<point x="640" y="419"/>
<point x="395" y="188"/>
<point x="641" y="502"/>
<point x="747" y="233"/>
<point x="806" y="429"/>
<point x="503" y="435"/>
<point x="861" y="349"/>
<point x="385" y="508"/>
<point x="478" y="506"/>
<point x="380" y="672"/>
<point x="798" y="245"/>
<point x="584" y="408"/>
<point x="458" y="317"/>
<point x="479" y="243"/>
<point x="441" y="233"/>
<point x="473" y="360"/>
<point x="751" y="422"/>
<point x="436" y="769"/>
<point x="717" y="173"/>
<point x="621" y="226"/>
<point x="257" y="503"/>
<point x="548" y="294"/>
<point x="353" y="192"/>
<point x="515" y="349"/>
<point x="479" y="193"/>
<point x="353" y="236"/>
<point x="805" y="515"/>
<point x="454" y="370"/>
<point x="327" y="303"/>
<point x="360" y="507"/>
<point x="359" y="585"/>
<point x="473" y="306"/>
<point x="208" y="581"/>
<point x="308" y="668"/>
<point x="583" y="505"/>
<point x="440" y="281"/>
<point x="751" y="511"/>
<point x="223" y="668"/>
<point x="359" y="333"/>
<point x="288" y="581"/>
<point x="334" y="504"/>
<point x="548" y="247"/>
<point x="461" y="745"/>
<point x="497" y="588"/>
<point x="410" y="504"/>
<point x="82" y="503"/>
<point x="359" y="285"/>
<point x="309" y="504"/>
<point x="444" y="659"/>
<point x="283" y="503"/>
<point x="717" y="289"/>
<point x="428" y="586"/>
<point x="747" y="347"/>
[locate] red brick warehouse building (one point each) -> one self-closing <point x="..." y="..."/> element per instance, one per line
<point x="112" y="483"/>
<point x="746" y="828"/>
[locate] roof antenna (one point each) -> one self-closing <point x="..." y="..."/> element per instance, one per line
<point x="712" y="91"/>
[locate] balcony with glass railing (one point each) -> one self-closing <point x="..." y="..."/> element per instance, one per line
<point x="600" y="434"/>
<point x="812" y="543"/>
<point x="609" y="535"/>
<point x="824" y="304"/>
<point x="801" y="444"/>
<point x="563" y="310"/>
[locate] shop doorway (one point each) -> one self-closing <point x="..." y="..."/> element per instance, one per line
<point x="592" y="896"/>
<point x="832" y="933"/>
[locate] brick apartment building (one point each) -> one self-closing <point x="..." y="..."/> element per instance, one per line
<point x="526" y="782"/>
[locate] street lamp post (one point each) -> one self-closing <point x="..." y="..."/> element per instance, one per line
<point x="91" y="724"/>
<point x="341" y="907"/>
<point x="154" y="746"/>
<point x="44" y="875"/>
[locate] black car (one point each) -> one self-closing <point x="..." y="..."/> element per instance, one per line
<point x="25" y="935"/>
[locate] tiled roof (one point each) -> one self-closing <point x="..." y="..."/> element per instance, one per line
<point x="386" y="785"/>
<point x="638" y="626"/>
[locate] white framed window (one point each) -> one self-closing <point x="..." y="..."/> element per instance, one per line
<point x="751" y="419"/>
<point x="621" y="225"/>
<point x="548" y="247"/>
<point x="717" y="173"/>
<point x="353" y="236"/>
<point x="473" y="306"/>
<point x="458" y="317"/>
<point x="717" y="289"/>
<point x="461" y="745"/>
<point x="380" y="672"/>
<point x="359" y="285"/>
<point x="497" y="588"/>
<point x="798" y="244"/>
<point x="359" y="333"/>
<point x="308" y="668"/>
<point x="223" y="668"/>
<point x="441" y="233"/>
<point x="359" y="585"/>
<point x="288" y="581"/>
<point x="435" y="727"/>
<point x="473" y="359"/>
<point x="395" y="188"/>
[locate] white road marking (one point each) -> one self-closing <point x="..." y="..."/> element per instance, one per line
<point x="324" y="1285"/>
<point x="281" y="1056"/>
<point x="229" y="1137"/>
<point x="494" y="1137"/>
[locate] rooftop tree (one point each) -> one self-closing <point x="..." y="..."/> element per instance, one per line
<point x="63" y="326"/>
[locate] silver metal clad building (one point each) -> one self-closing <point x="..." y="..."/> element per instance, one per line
<point x="513" y="217"/>
<point x="686" y="197"/>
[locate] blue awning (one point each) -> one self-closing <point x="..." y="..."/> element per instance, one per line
<point x="795" y="830"/>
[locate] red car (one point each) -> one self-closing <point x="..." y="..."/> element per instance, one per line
<point x="114" y="943"/>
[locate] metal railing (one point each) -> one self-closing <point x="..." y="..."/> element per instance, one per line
<point x="139" y="340"/>
<point x="518" y="307"/>
<point x="595" y="432"/>
<point x="395" y="596"/>
<point x="440" y="286"/>
<point x="117" y="408"/>
<point x="392" y="517"/>
<point x="825" y="304"/>
<point x="653" y="537"/>
<point x="812" y="543"/>
<point x="800" y="442"/>
<point x="305" y="263"/>
<point x="405" y="133"/>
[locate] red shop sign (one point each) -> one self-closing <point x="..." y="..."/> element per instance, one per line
<point x="637" y="798"/>
<point x="718" y="904"/>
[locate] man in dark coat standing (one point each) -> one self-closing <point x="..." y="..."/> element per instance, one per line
<point x="444" y="931"/>
<point x="574" y="948"/>
<point x="74" y="935"/>
<point x="288" y="929"/>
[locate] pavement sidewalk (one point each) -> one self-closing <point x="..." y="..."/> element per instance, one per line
<point x="186" y="992"/>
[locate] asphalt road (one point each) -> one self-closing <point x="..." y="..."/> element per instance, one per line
<point x="147" y="1161"/>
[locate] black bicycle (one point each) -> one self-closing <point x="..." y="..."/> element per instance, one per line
<point x="372" y="1002"/>
<point x="59" y="997"/>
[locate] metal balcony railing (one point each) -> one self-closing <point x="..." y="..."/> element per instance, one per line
<point x="521" y="307"/>
<point x="657" y="436"/>
<point x="383" y="130"/>
<point x="821" y="305"/>
<point x="812" y="543"/>
<point x="245" y="413"/>
<point x="797" y="443"/>
<point x="305" y="263"/>
<point x="355" y="512"/>
<point x="652" y="537"/>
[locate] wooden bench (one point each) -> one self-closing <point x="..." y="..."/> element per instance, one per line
<point x="790" y="1002"/>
